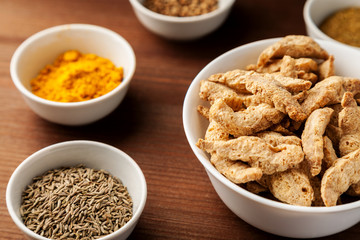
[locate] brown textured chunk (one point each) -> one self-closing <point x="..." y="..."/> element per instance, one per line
<point x="236" y="79"/>
<point x="292" y="186"/>
<point x="246" y="122"/>
<point x="236" y="171"/>
<point x="326" y="68"/>
<point x="276" y="139"/>
<point x="215" y="132"/>
<point x="296" y="46"/>
<point x="256" y="152"/>
<point x="334" y="133"/>
<point x="329" y="91"/>
<point x="312" y="138"/>
<point x="349" y="123"/>
<point x="293" y="85"/>
<point x="329" y="153"/>
<point x="299" y="65"/>
<point x="204" y="111"/>
<point x="301" y="68"/>
<point x="211" y="91"/>
<point x="281" y="98"/>
<point x="287" y="67"/>
<point x="306" y="65"/>
<point x="271" y="67"/>
<point x="338" y="178"/>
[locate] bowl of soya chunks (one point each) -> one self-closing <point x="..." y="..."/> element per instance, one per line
<point x="276" y="125"/>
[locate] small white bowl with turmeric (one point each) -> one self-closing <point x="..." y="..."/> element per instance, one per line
<point x="73" y="74"/>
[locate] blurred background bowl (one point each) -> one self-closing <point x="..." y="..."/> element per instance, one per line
<point x="268" y="215"/>
<point x="94" y="155"/>
<point x="316" y="11"/>
<point x="182" y="28"/>
<point x="44" y="47"/>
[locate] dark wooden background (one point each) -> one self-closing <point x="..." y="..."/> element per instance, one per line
<point x="181" y="203"/>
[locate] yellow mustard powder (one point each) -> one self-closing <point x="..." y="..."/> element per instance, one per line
<point x="75" y="77"/>
<point x="344" y="26"/>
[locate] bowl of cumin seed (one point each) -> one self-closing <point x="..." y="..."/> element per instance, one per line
<point x="77" y="190"/>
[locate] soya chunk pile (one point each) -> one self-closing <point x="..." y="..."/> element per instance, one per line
<point x="286" y="125"/>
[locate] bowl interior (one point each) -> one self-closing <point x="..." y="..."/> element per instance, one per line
<point x="44" y="47"/>
<point x="195" y="125"/>
<point x="93" y="155"/>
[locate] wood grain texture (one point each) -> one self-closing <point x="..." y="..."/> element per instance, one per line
<point x="181" y="203"/>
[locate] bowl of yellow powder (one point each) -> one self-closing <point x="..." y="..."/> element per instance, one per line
<point x="73" y="74"/>
<point x="334" y="20"/>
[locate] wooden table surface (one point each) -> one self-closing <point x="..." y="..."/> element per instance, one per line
<point x="182" y="203"/>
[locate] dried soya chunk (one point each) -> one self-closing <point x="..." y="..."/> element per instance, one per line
<point x="326" y="68"/>
<point x="292" y="186"/>
<point x="237" y="172"/>
<point x="289" y="68"/>
<point x="256" y="152"/>
<point x="246" y="122"/>
<point x="338" y="178"/>
<point x="280" y="97"/>
<point x="329" y="91"/>
<point x="329" y="153"/>
<point x="296" y="46"/>
<point x="349" y="123"/>
<point x="236" y="79"/>
<point x="276" y="139"/>
<point x="216" y="132"/>
<point x="312" y="138"/>
<point x="211" y="91"/>
<point x="297" y="68"/>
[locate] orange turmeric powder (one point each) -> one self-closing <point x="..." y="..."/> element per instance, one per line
<point x="75" y="77"/>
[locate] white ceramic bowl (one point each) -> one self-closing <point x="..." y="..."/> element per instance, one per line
<point x="44" y="47"/>
<point x="268" y="215"/>
<point x="93" y="155"/>
<point x="316" y="11"/>
<point x="182" y="28"/>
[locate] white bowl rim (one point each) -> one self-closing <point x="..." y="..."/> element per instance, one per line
<point x="27" y="161"/>
<point x="309" y="21"/>
<point x="212" y="170"/>
<point x="73" y="26"/>
<point x="175" y="19"/>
